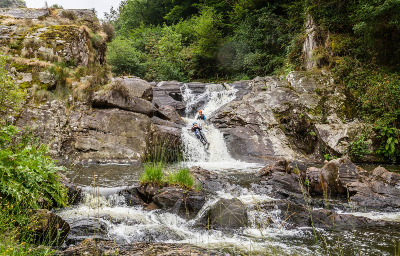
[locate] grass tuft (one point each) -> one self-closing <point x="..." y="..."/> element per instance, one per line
<point x="153" y="173"/>
<point x="181" y="178"/>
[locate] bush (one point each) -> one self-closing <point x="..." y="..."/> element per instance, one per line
<point x="153" y="174"/>
<point x="69" y="15"/>
<point x="359" y="148"/>
<point x="181" y="178"/>
<point x="124" y="58"/>
<point x="27" y="173"/>
<point x="108" y="28"/>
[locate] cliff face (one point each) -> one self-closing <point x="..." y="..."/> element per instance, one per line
<point x="36" y="39"/>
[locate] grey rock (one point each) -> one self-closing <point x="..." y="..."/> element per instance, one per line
<point x="116" y="99"/>
<point x="24" y="13"/>
<point x="226" y="213"/>
<point x="48" y="78"/>
<point x="170" y="114"/>
<point x="135" y="87"/>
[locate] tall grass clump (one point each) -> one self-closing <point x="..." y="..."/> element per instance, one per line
<point x="166" y="149"/>
<point x="153" y="174"/>
<point x="181" y="178"/>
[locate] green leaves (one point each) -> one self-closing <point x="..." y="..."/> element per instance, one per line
<point x="27" y="173"/>
<point x="389" y="142"/>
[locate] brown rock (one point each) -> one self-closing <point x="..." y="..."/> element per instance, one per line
<point x="48" y="227"/>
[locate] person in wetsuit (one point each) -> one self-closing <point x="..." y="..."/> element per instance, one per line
<point x="199" y="134"/>
<point x="200" y="116"/>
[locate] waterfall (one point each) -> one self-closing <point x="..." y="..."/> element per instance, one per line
<point x="217" y="155"/>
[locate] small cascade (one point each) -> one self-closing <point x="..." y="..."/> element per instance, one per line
<point x="217" y="155"/>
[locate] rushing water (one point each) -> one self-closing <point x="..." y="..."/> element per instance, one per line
<point x="103" y="214"/>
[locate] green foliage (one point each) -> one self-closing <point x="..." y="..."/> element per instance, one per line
<point x="124" y="58"/>
<point x="153" y="173"/>
<point x="181" y="178"/>
<point x="359" y="148"/>
<point x="390" y="142"/>
<point x="329" y="157"/>
<point x="11" y="96"/>
<point x="27" y="173"/>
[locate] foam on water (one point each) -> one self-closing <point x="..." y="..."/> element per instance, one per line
<point x="134" y="224"/>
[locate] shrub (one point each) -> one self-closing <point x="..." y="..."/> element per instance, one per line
<point x="153" y="174"/>
<point x="359" y="148"/>
<point x="181" y="178"/>
<point x="124" y="58"/>
<point x="27" y="173"/>
<point x="108" y="28"/>
<point x="69" y="15"/>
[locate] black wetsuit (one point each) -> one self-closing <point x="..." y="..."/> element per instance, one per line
<point x="201" y="117"/>
<point x="199" y="134"/>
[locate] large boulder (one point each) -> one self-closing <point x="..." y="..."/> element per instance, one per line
<point x="110" y="134"/>
<point x="123" y="100"/>
<point x="48" y="228"/>
<point x="179" y="201"/>
<point x="339" y="174"/>
<point x="378" y="189"/>
<point x="169" y="113"/>
<point x="135" y="87"/>
<point x="226" y="213"/>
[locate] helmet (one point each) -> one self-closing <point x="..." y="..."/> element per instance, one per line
<point x="200" y="111"/>
<point x="194" y="123"/>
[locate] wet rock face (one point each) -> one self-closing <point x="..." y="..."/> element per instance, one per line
<point x="48" y="228"/>
<point x="91" y="247"/>
<point x="272" y="120"/>
<point x="226" y="213"/>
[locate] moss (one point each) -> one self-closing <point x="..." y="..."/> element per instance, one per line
<point x="25" y="85"/>
<point x="22" y="68"/>
<point x="66" y="32"/>
<point x="35" y="28"/>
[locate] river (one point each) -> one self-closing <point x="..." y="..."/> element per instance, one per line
<point x="103" y="214"/>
